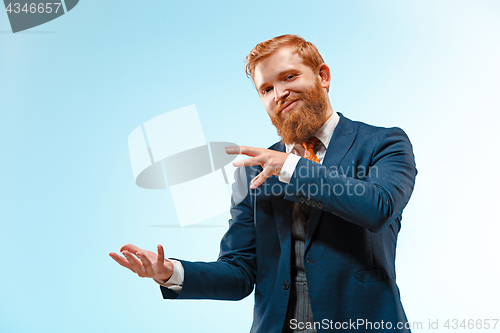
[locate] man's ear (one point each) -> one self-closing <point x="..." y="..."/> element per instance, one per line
<point x="324" y="75"/>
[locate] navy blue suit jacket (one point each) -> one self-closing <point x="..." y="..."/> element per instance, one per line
<point x="356" y="197"/>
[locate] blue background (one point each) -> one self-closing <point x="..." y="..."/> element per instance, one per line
<point x="73" y="89"/>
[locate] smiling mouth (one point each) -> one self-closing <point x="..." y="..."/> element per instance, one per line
<point x="289" y="106"/>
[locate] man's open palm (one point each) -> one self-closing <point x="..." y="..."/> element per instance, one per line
<point x="144" y="263"/>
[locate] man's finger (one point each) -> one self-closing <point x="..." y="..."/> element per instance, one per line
<point x="249" y="151"/>
<point x="161" y="257"/>
<point x="262" y="177"/>
<point x="257" y="181"/>
<point x="130" y="248"/>
<point x="247" y="162"/>
<point x="122" y="261"/>
<point x="136" y="264"/>
<point x="146" y="263"/>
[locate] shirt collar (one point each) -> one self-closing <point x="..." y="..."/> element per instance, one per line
<point x="324" y="134"/>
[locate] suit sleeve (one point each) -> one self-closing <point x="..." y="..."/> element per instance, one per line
<point x="232" y="276"/>
<point x="373" y="202"/>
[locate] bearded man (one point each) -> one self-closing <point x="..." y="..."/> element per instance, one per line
<point x="320" y="247"/>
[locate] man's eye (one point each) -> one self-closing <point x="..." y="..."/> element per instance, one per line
<point x="265" y="91"/>
<point x="289" y="77"/>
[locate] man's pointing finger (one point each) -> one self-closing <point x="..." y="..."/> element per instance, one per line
<point x="249" y="151"/>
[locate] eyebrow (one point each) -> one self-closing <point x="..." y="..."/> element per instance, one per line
<point x="280" y="74"/>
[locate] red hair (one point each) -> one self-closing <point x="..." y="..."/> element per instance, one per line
<point x="306" y="50"/>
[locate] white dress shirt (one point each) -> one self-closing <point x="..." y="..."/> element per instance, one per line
<point x="295" y="151"/>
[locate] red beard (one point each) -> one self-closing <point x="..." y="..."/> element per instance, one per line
<point x="302" y="122"/>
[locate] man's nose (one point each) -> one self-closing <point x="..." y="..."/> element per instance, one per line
<point x="280" y="93"/>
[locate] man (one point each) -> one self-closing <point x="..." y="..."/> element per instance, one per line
<point x="315" y="217"/>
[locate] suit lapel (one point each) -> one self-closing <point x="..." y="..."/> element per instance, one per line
<point x="281" y="209"/>
<point x="340" y="143"/>
<point x="283" y="214"/>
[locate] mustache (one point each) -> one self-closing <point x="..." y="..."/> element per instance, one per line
<point x="281" y="104"/>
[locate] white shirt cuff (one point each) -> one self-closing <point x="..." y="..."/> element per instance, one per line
<point x="288" y="168"/>
<point x="176" y="280"/>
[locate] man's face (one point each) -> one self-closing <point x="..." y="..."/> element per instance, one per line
<point x="293" y="95"/>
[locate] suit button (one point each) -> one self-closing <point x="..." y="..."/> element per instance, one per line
<point x="313" y="203"/>
<point x="308" y="202"/>
<point x="301" y="200"/>
<point x="286" y="285"/>
<point x="320" y="205"/>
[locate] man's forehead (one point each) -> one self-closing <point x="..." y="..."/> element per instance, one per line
<point x="281" y="61"/>
<point x="282" y="57"/>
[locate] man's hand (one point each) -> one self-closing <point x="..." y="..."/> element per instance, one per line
<point x="271" y="161"/>
<point x="149" y="263"/>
